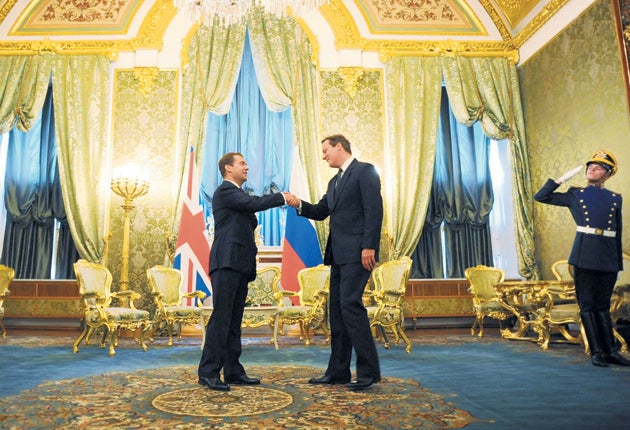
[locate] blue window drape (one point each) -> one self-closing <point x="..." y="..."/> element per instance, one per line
<point x="461" y="201"/>
<point x="265" y="139"/>
<point x="33" y="200"/>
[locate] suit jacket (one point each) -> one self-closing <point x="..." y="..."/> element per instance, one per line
<point x="590" y="207"/>
<point x="234" y="245"/>
<point x="355" y="208"/>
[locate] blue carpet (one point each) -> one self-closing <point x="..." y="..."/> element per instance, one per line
<point x="505" y="384"/>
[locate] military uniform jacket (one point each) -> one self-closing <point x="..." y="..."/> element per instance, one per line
<point x="596" y="208"/>
<point x="234" y="211"/>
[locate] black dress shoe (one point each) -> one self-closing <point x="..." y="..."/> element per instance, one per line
<point x="214" y="384"/>
<point x="599" y="359"/>
<point x="361" y="384"/>
<point x="242" y="380"/>
<point x="616" y="358"/>
<point x="327" y="379"/>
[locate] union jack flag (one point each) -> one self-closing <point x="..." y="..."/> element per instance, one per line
<point x="192" y="253"/>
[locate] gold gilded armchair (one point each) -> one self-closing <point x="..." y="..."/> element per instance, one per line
<point x="95" y="289"/>
<point x="6" y="276"/>
<point x="166" y="290"/>
<point x="311" y="312"/>
<point x="389" y="283"/>
<point x="558" y="311"/>
<point x="486" y="302"/>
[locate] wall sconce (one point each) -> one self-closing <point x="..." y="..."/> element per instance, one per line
<point x="128" y="185"/>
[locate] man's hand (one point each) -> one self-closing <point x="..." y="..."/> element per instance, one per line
<point x="368" y="258"/>
<point x="571" y="173"/>
<point x="291" y="200"/>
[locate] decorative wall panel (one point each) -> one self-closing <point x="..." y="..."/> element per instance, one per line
<point x="144" y="133"/>
<point x="352" y="104"/>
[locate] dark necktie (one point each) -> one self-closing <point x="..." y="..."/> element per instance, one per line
<point x="337" y="181"/>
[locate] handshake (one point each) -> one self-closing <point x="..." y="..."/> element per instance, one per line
<point x="292" y="200"/>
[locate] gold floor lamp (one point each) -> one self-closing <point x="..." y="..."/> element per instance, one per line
<point x="128" y="188"/>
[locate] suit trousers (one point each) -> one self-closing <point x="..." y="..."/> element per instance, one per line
<point x="349" y="324"/>
<point x="222" y="349"/>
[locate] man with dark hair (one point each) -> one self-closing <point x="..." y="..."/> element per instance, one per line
<point x="354" y="204"/>
<point x="232" y="267"/>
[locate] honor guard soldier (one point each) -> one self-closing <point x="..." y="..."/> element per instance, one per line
<point x="596" y="255"/>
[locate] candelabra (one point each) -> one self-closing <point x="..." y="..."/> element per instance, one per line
<point x="128" y="188"/>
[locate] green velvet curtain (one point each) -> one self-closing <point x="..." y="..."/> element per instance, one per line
<point x="413" y="86"/>
<point x="479" y="89"/>
<point x="23" y="85"/>
<point x="81" y="86"/>
<point x="487" y="90"/>
<point x="208" y="84"/>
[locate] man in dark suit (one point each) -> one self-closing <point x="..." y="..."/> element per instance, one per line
<point x="355" y="206"/>
<point x="232" y="267"/>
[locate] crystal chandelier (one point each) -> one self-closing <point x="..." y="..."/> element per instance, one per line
<point x="235" y="11"/>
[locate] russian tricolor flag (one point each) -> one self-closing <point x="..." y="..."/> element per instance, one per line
<point x="192" y="255"/>
<point x="301" y="245"/>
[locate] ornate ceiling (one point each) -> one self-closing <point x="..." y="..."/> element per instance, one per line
<point x="383" y="25"/>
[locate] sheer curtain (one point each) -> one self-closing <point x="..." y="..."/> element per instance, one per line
<point x="265" y="140"/>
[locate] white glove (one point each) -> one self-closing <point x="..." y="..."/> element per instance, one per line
<point x="571" y="173"/>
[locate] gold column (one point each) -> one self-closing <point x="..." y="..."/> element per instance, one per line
<point x="128" y="188"/>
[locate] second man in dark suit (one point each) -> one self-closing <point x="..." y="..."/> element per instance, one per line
<point x="354" y="204"/>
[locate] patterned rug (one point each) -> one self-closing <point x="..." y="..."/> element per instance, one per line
<point x="169" y="397"/>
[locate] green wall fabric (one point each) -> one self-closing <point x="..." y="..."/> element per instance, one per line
<point x="574" y="100"/>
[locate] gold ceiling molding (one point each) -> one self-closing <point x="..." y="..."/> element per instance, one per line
<point x="496" y="19"/>
<point x="6" y="8"/>
<point x="446" y="48"/>
<point x="347" y="37"/>
<point x="149" y="37"/>
<point x="539" y="20"/>
<point x="342" y="24"/>
<point x="46" y="46"/>
<point x="154" y="25"/>
<point x="516" y="10"/>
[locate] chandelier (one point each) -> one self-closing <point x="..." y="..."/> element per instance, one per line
<point x="235" y="11"/>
